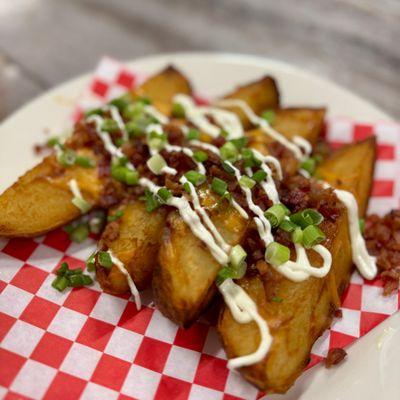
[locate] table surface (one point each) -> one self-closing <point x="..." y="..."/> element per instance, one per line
<point x="353" y="42"/>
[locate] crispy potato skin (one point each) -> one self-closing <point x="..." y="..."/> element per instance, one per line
<point x="163" y="86"/>
<point x="183" y="280"/>
<point x="307" y="307"/>
<point x="260" y="95"/>
<point x="305" y="122"/>
<point x="41" y="200"/>
<point x="136" y="245"/>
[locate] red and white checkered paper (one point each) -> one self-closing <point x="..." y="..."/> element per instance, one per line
<point x="89" y="344"/>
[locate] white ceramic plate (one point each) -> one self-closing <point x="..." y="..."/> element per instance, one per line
<point x="369" y="372"/>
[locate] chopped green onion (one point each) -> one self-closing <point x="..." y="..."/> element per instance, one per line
<point x="269" y="116"/>
<point x="85" y="162"/>
<point x="94" y="111"/>
<point x="245" y="181"/>
<point x="133" y="129"/>
<point x="186" y="187"/>
<point x="133" y="111"/>
<point x="119" y="142"/>
<point x="76" y="271"/>
<point x="60" y="283"/>
<point x="144" y="99"/>
<point x="109" y="125"/>
<point x="240" y="142"/>
<point x="104" y="259"/>
<point x="200" y="156"/>
<point x="67" y="158"/>
<point x="117" y="215"/>
<point x="227" y="168"/>
<point x="249" y="159"/>
<point x="287" y="225"/>
<point x="164" y="194"/>
<point x="118" y="172"/>
<point x="193" y="134"/>
<point x="82" y="204"/>
<point x="76" y="281"/>
<point x="275" y="214"/>
<point x="259" y="176"/>
<point x="157" y="142"/>
<point x="361" y="223"/>
<point x="63" y="269"/>
<point x="229" y="152"/>
<point x="122" y="101"/>
<point x="237" y="256"/>
<point x="307" y="217"/>
<point x="223" y="274"/>
<point x="131" y="177"/>
<point x="226" y="196"/>
<point x="219" y="186"/>
<point x="312" y="235"/>
<point x="309" y="165"/>
<point x="195" y="177"/>
<point x="277" y="254"/>
<point x="90" y="262"/>
<point x="297" y="235"/>
<point x="178" y="110"/>
<point x="54" y="141"/>
<point x="277" y="299"/>
<point x="87" y="280"/>
<point x="152" y="201"/>
<point x="156" y="164"/>
<point x="80" y="233"/>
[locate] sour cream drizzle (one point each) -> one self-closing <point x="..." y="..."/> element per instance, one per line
<point x="197" y="115"/>
<point x="73" y="185"/>
<point x="365" y="263"/>
<point x="120" y="265"/>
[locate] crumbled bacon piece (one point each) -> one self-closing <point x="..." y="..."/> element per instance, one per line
<point x="382" y="236"/>
<point x="334" y="357"/>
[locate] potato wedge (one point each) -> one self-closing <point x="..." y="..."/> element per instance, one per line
<point x="304" y="122"/>
<point x="163" y="86"/>
<point x="260" y="95"/>
<point x="41" y="199"/>
<point x="307" y="307"/>
<point x="135" y="239"/>
<point x="183" y="280"/>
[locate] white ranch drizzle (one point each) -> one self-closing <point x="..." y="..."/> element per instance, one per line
<point x="304" y="144"/>
<point x="263" y="124"/>
<point x="116" y="116"/>
<point x="73" y="185"/>
<point x="301" y="269"/>
<point x="192" y="220"/>
<point x="107" y="142"/>
<point x="197" y="115"/>
<point x="120" y="265"/>
<point x="207" y="220"/>
<point x="153" y="112"/>
<point x="263" y="225"/>
<point x="244" y="310"/>
<point x="365" y="263"/>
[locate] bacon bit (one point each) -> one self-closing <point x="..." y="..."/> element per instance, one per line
<point x="334" y="357"/>
<point x="338" y="313"/>
<point x="382" y="236"/>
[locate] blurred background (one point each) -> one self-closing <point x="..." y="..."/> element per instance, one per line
<point x="353" y="42"/>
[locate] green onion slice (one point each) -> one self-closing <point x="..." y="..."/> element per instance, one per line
<point x="80" y="233"/>
<point x="297" y="235"/>
<point x="223" y="274"/>
<point x="309" y="165"/>
<point x="193" y="134"/>
<point x="275" y="214"/>
<point x="67" y="158"/>
<point x="60" y="283"/>
<point x="269" y="116"/>
<point x="117" y="215"/>
<point x="240" y="142"/>
<point x="259" y="176"/>
<point x="361" y="223"/>
<point x="312" y="235"/>
<point x="109" y="125"/>
<point x="82" y="204"/>
<point x="307" y="217"/>
<point x="200" y="156"/>
<point x="245" y="181"/>
<point x="90" y="262"/>
<point x="227" y="168"/>
<point x="219" y="186"/>
<point x="195" y="177"/>
<point x="104" y="259"/>
<point x="63" y="269"/>
<point x="156" y="164"/>
<point x="229" y="152"/>
<point x="85" y="162"/>
<point x="237" y="256"/>
<point x="287" y="226"/>
<point x="178" y="111"/>
<point x="277" y="254"/>
<point x="164" y="194"/>
<point x="152" y="201"/>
